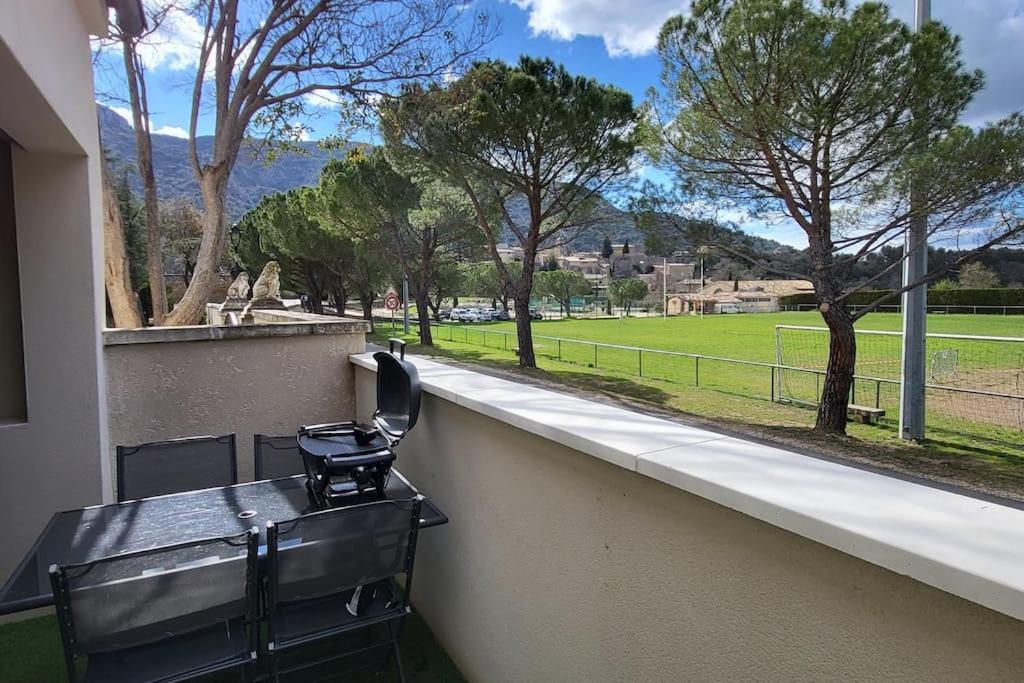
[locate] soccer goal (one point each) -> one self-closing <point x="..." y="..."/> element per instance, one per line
<point x="975" y="378"/>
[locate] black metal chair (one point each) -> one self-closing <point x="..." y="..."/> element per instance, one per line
<point x="276" y="456"/>
<point x="162" y="467"/>
<point x="332" y="573"/>
<point x="166" y="614"/>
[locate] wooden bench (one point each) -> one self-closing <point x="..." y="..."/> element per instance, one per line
<point x="865" y="414"/>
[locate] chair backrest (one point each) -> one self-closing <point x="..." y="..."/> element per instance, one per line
<point x="326" y="553"/>
<point x="162" y="467"/>
<point x="276" y="456"/>
<point x="147" y="596"/>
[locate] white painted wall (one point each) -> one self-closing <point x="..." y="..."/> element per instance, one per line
<point x="54" y="461"/>
<point x="565" y="565"/>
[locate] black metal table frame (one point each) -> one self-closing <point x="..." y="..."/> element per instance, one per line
<point x="24" y="604"/>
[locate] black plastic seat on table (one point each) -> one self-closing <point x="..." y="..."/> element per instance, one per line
<point x="276" y="457"/>
<point x="170" y="613"/>
<point x="163" y="467"/>
<point x="331" y="575"/>
<point x="346" y="458"/>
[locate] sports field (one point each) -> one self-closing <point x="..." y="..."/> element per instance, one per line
<point x="737" y="396"/>
<point x="745" y="337"/>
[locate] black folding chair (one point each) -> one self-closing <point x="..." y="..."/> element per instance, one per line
<point x="332" y="573"/>
<point x="162" y="467"/>
<point x="276" y="456"/>
<point x="167" y="614"/>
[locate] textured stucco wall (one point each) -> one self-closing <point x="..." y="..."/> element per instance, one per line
<point x="557" y="566"/>
<point x="272" y="385"/>
<point x="54" y="460"/>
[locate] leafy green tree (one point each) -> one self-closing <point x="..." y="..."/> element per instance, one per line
<point x="531" y="132"/>
<point x="562" y="286"/>
<point x="420" y="225"/>
<point x="978" y="276"/>
<point x="182" y="230"/>
<point x="820" y="113"/>
<point x="606" y="248"/>
<point x="483" y="279"/>
<point x="626" y="291"/>
<point x="449" y="279"/>
<point x="285" y="227"/>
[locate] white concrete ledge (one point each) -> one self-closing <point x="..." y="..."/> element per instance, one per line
<point x="969" y="547"/>
<point x="190" y="333"/>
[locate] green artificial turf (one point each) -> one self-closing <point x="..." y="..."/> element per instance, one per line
<point x="30" y="652"/>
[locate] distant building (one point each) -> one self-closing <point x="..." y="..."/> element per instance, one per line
<point x="509" y="253"/>
<point x="745" y="296"/>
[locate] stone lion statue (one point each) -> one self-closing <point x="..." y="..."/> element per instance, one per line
<point x="239" y="289"/>
<point x="268" y="284"/>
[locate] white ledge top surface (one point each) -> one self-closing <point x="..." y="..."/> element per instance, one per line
<point x="966" y="546"/>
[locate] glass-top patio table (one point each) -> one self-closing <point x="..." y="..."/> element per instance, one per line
<point x="90" y="533"/>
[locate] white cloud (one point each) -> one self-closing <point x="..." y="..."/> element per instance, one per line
<point x="992" y="33"/>
<point x="175" y="44"/>
<point x="627" y="28"/>
<point x="124" y="112"/>
<point x="323" y="99"/>
<point x="173" y="131"/>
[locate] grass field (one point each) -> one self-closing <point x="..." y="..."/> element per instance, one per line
<point x="736" y="396"/>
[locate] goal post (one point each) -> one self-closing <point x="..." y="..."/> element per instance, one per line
<point x="968" y="377"/>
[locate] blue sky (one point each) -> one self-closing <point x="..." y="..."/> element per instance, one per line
<point x="610" y="40"/>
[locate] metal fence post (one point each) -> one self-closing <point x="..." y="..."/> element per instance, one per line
<point x="772" y="396"/>
<point x="595" y="355"/>
<point x="504" y="341"/>
<point x="878" y="394"/>
<point x="696" y="371"/>
<point x="559" y="349"/>
<point x="640" y="361"/>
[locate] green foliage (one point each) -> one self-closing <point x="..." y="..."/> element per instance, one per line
<point x="562" y="285"/>
<point x="606" y="248"/>
<point x="529" y="131"/>
<point x="978" y="276"/>
<point x="627" y="291"/>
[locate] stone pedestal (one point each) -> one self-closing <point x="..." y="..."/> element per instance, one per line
<point x="267" y="305"/>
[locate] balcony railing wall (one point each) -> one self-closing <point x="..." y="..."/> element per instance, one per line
<point x="165" y="383"/>
<point x="562" y="565"/>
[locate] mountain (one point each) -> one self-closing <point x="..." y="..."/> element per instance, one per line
<point x="251" y="179"/>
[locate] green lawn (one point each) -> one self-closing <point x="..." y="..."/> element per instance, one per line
<point x="735" y="396"/>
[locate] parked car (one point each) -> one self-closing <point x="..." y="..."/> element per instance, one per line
<point x="459" y="314"/>
<point x="445" y="314"/>
<point x="535" y="314"/>
<point x="476" y="315"/>
<point x="500" y="314"/>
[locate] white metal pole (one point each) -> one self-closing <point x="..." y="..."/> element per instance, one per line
<point x="405" y="304"/>
<point x="665" y="287"/>
<point x="915" y="304"/>
<point x="702" y="287"/>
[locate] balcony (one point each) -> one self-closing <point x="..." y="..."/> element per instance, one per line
<point x="590" y="542"/>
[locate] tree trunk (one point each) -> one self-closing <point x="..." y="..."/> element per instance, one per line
<point x="340" y="297"/>
<point x="144" y="154"/>
<point x="842" y="361"/>
<point x="316" y="293"/>
<point x="116" y="275"/>
<point x="366" y="300"/>
<point x="524" y="332"/>
<point x="190" y="310"/>
<point x="423" y="314"/>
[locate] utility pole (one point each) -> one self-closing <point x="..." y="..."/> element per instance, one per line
<point x="702" y="302"/>
<point x="915" y="301"/>
<point x="664" y="287"/>
<point x="405" y="304"/>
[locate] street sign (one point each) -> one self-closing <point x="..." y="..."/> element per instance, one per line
<point x="391" y="300"/>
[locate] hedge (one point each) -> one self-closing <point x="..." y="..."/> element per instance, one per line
<point x="936" y="297"/>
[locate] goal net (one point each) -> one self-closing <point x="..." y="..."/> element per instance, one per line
<point x="973" y="378"/>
